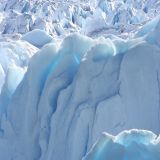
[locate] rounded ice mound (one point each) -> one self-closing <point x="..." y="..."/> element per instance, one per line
<point x="126" y="138"/>
<point x="132" y="145"/>
<point x="103" y="50"/>
<point x="94" y="23"/>
<point x="37" y="38"/>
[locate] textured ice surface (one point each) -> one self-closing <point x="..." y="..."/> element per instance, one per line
<point x="60" y="17"/>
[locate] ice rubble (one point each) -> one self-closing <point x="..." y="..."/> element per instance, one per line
<point x="60" y="17"/>
<point x="73" y="92"/>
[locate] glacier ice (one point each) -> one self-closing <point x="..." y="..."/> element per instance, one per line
<point x="2" y="77"/>
<point x="73" y="92"/>
<point x="14" y="59"/>
<point x="133" y="145"/>
<point x="148" y="27"/>
<point x="55" y="104"/>
<point x="94" y="23"/>
<point x="60" y="17"/>
<point x="37" y="38"/>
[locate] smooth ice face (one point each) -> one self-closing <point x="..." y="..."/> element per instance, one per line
<point x="148" y="27"/>
<point x="37" y="38"/>
<point x="2" y="77"/>
<point x="128" y="145"/>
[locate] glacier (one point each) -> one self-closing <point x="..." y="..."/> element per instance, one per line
<point x="79" y="80"/>
<point x="71" y="91"/>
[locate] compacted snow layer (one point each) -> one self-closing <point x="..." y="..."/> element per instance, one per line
<point x="72" y="93"/>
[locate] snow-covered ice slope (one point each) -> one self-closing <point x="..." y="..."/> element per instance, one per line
<point x="73" y="92"/>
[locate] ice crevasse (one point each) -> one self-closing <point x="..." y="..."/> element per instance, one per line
<point x="72" y="93"/>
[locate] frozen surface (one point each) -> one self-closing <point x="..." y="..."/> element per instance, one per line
<point x="55" y="104"/>
<point x="60" y="17"/>
<point x="37" y="38"/>
<point x="73" y="92"/>
<point x="133" y="145"/>
<point x="148" y="27"/>
<point x="14" y="59"/>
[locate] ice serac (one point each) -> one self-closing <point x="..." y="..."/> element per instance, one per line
<point x="14" y="59"/>
<point x="90" y="17"/>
